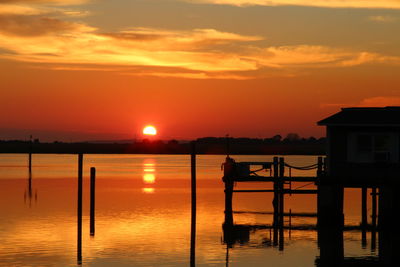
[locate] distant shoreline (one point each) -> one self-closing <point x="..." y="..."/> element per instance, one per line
<point x="206" y="146"/>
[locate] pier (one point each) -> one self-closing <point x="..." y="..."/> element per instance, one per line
<point x="362" y="152"/>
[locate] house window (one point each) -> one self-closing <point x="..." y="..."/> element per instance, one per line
<point x="372" y="147"/>
<point x="364" y="143"/>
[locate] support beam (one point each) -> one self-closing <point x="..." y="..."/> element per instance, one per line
<point x="79" y="209"/>
<point x="92" y="200"/>
<point x="193" y="211"/>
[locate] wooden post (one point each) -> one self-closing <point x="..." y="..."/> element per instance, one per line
<point x="281" y="189"/>
<point x="193" y="221"/>
<point x="364" y="207"/>
<point x="79" y="215"/>
<point x="92" y="199"/>
<point x="228" y="179"/>
<point x="281" y="202"/>
<point x="275" y="201"/>
<point x="364" y="219"/>
<point x="330" y="224"/>
<point x="374" y="219"/>
<point x="320" y="165"/>
<point x="30" y="162"/>
<point x="30" y="155"/>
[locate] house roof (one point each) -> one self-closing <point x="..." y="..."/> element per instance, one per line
<point x="384" y="116"/>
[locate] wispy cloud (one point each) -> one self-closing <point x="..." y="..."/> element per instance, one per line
<point x="386" y="4"/>
<point x="42" y="36"/>
<point x="161" y="39"/>
<point x="308" y="56"/>
<point x="54" y="2"/>
<point x="28" y="26"/>
<point x="377" y="101"/>
<point x="380" y="101"/>
<point x="382" y="19"/>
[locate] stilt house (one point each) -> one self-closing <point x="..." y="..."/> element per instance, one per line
<point x="363" y="146"/>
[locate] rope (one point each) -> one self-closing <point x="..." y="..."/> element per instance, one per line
<point x="305" y="168"/>
<point x="304" y="185"/>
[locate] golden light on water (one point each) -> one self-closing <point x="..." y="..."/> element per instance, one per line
<point x="149" y="175"/>
<point x="148" y="190"/>
<point x="149" y="178"/>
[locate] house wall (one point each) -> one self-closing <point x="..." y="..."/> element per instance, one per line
<point x="344" y="166"/>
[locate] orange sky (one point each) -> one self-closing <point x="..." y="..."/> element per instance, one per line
<point x="84" y="70"/>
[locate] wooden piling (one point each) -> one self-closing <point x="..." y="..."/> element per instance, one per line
<point x="30" y="156"/>
<point x="193" y="217"/>
<point x="364" y="207"/>
<point x="79" y="215"/>
<point x="320" y="165"/>
<point x="281" y="190"/>
<point x="374" y="219"/>
<point x="374" y="207"/>
<point x="229" y="184"/>
<point x="92" y="199"/>
<point x="275" y="201"/>
<point x="30" y="162"/>
<point x="281" y="203"/>
<point x="364" y="219"/>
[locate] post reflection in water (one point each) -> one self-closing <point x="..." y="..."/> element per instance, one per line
<point x="132" y="223"/>
<point x="29" y="191"/>
<point x="149" y="175"/>
<point x="330" y="235"/>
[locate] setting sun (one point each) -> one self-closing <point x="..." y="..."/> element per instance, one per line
<point x="149" y="130"/>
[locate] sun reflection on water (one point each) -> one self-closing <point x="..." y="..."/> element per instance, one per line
<point x="148" y="190"/>
<point x="149" y="176"/>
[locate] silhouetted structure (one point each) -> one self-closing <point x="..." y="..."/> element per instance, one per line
<point x="363" y="152"/>
<point x="363" y="147"/>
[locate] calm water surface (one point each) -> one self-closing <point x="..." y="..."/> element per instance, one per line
<point x="143" y="214"/>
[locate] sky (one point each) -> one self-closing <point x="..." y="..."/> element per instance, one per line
<point x="73" y="70"/>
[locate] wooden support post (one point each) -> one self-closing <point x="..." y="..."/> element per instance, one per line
<point x="281" y="202"/>
<point x="364" y="219"/>
<point x="330" y="224"/>
<point x="275" y="201"/>
<point x="389" y="232"/>
<point x="374" y="218"/>
<point x="193" y="217"/>
<point x="79" y="208"/>
<point x="281" y="189"/>
<point x="320" y="167"/>
<point x="92" y="200"/>
<point x="30" y="155"/>
<point x="30" y="162"/>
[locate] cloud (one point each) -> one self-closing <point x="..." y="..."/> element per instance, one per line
<point x="380" y="101"/>
<point x="29" y="26"/>
<point x="54" y="2"/>
<point x="11" y="9"/>
<point x="157" y="39"/>
<point x="382" y="19"/>
<point x="377" y="101"/>
<point x="308" y="56"/>
<point x="41" y="36"/>
<point x="386" y="4"/>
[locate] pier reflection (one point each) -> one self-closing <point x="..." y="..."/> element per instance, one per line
<point x="330" y="240"/>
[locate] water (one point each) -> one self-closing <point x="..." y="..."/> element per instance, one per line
<point x="143" y="214"/>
